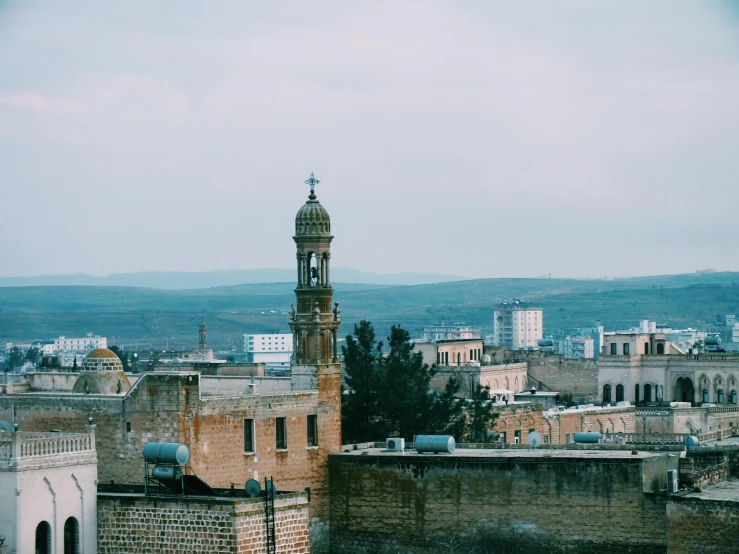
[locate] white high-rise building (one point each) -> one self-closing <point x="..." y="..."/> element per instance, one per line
<point x="449" y="332"/>
<point x="517" y="325"/>
<point x="273" y="350"/>
<point x="79" y="345"/>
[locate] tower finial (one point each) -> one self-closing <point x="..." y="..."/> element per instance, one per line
<point x="312" y="182"/>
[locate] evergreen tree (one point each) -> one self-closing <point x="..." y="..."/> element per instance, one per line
<point x="74" y="364"/>
<point x="360" y="409"/>
<point x="15" y="357"/>
<point x="447" y="415"/>
<point x="481" y="416"/>
<point x="405" y="402"/>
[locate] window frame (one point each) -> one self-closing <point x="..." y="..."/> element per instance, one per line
<point x="281" y="433"/>
<point x="311" y="437"/>
<point x="250" y="425"/>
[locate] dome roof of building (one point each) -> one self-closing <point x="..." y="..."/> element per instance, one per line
<point x="312" y="218"/>
<point x="101" y="359"/>
<point x="109" y="382"/>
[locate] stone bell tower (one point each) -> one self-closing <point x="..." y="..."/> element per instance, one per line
<point x="315" y="322"/>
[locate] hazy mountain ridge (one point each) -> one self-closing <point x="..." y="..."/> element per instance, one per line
<point x="181" y="280"/>
<point x="134" y="315"/>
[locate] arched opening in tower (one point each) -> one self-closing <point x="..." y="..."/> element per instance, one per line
<point x="313" y="270"/>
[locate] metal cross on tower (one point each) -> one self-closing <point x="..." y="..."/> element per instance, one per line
<point x="312" y="182"/>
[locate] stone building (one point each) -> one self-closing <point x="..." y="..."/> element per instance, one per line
<point x="48" y="492"/>
<point x="652" y="379"/>
<point x="237" y="429"/>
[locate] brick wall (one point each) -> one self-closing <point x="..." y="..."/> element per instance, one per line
<point x="135" y="523"/>
<point x="577" y="377"/>
<point x="168" y="408"/>
<point x="705" y="526"/>
<point x="416" y="504"/>
<point x="522" y="419"/>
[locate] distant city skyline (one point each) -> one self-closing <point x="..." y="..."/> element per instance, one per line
<point x="479" y="139"/>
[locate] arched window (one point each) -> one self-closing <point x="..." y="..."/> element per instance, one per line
<point x="733" y="396"/>
<point x="606" y="393"/>
<point x="705" y="395"/>
<point x="71" y="536"/>
<point x="459" y="358"/>
<point x="660" y="348"/>
<point x="647" y="393"/>
<point x="43" y="538"/>
<point x="619" y="393"/>
<point x="646" y="348"/>
<point x="720" y="396"/>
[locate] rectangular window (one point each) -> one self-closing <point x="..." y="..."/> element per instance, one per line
<point x="312" y="430"/>
<point x="503" y="437"/>
<point x="249" y="435"/>
<point x="546" y="439"/>
<point x="128" y="427"/>
<point x="614" y="348"/>
<point x="517" y="437"/>
<point x="280" y="433"/>
<point x="567" y="439"/>
<point x="626" y="349"/>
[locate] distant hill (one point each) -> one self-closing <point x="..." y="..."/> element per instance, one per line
<point x="136" y="316"/>
<point x="177" y="280"/>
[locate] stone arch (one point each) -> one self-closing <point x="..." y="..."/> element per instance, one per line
<point x="496" y="384"/>
<point x="71" y="536"/>
<point x="684" y="390"/>
<point x="647" y="392"/>
<point x="515" y="385"/>
<point x="43" y="538"/>
<point x="607" y="393"/>
<point x="507" y="384"/>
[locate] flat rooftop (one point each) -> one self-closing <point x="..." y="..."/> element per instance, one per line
<point x="516" y="453"/>
<point x="725" y="490"/>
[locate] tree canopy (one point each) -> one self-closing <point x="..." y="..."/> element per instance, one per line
<point x="387" y="393"/>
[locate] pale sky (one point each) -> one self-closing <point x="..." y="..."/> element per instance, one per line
<point x="480" y="138"/>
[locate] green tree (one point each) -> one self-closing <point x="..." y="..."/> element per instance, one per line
<point x="360" y="406"/>
<point x="33" y="354"/>
<point x="74" y="364"/>
<point x="405" y="402"/>
<point x="446" y="413"/>
<point x="481" y="416"/>
<point x="15" y="357"/>
<point x="122" y="356"/>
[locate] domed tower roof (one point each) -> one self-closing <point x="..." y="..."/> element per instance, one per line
<point x="312" y="219"/>
<point x="101" y="359"/>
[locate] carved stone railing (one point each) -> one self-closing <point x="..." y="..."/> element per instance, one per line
<point x="6" y="448"/>
<point x="52" y="445"/>
<point x="655" y="438"/>
<point x="28" y="449"/>
<point x="722" y="409"/>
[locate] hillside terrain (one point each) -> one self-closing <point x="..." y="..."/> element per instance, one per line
<point x="147" y="316"/>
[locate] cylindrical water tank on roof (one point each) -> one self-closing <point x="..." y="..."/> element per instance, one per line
<point x="690" y="440"/>
<point x="166" y="453"/>
<point x="589" y="437"/>
<point x="166" y="473"/>
<point x="435" y="443"/>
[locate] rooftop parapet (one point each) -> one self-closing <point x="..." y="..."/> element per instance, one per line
<point x="20" y="450"/>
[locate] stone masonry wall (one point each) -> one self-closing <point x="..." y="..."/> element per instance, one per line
<point x="129" y="524"/>
<point x="415" y="504"/>
<point x="705" y="526"/>
<point x="579" y="378"/>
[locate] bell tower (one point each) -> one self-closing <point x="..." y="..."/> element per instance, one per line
<point x="315" y="323"/>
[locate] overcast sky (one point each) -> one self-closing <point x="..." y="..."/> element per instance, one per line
<point x="480" y="138"/>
